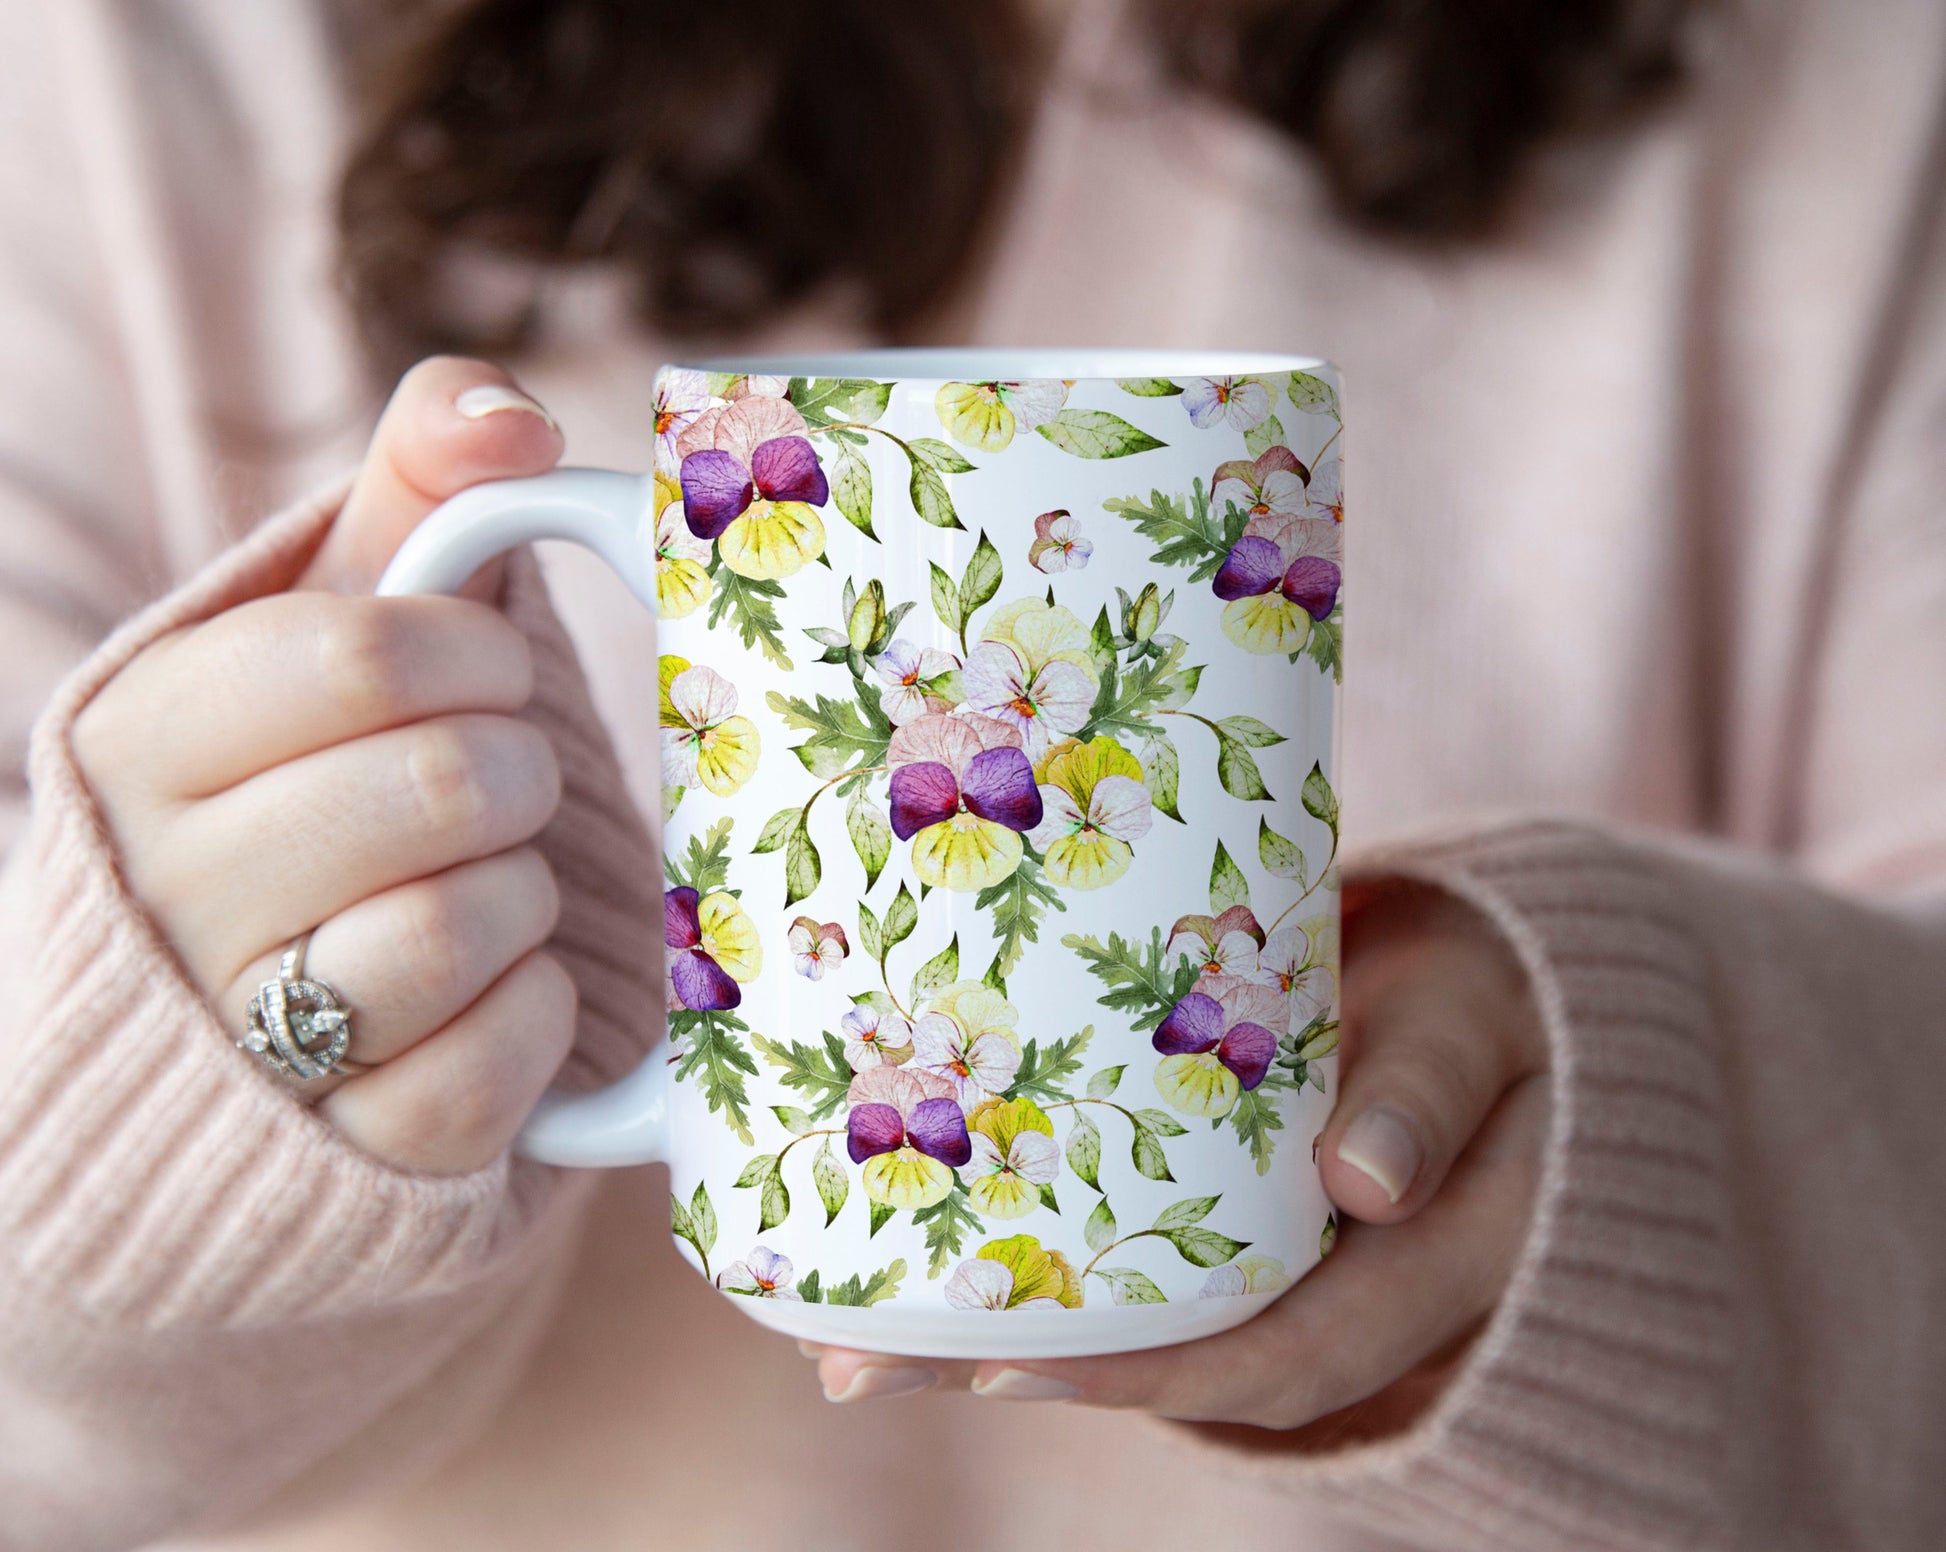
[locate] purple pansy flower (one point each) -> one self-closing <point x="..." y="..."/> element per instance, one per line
<point x="751" y="481"/>
<point x="1216" y="1041"/>
<point x="700" y="982"/>
<point x="909" y="1132"/>
<point x="963" y="792"/>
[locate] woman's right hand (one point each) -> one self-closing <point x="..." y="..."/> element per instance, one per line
<point x="326" y="759"/>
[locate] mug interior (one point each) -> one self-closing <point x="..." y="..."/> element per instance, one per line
<point x="988" y="363"/>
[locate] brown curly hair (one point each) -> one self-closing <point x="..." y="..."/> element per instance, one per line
<point x="738" y="158"/>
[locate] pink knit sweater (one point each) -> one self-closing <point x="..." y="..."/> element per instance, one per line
<point x="1650" y="540"/>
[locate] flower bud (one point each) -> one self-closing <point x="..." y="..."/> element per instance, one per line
<point x="1140" y="619"/>
<point x="867" y="622"/>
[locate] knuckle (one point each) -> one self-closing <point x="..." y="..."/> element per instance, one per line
<point x="445" y="772"/>
<point x="434" y="941"/>
<point x="363" y="659"/>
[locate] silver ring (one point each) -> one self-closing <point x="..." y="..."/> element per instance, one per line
<point x="297" y="1027"/>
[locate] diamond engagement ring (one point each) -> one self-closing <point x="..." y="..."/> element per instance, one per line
<point x="299" y="1028"/>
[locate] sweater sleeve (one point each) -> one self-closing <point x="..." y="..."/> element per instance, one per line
<point x="1722" y="1331"/>
<point x="204" y="1291"/>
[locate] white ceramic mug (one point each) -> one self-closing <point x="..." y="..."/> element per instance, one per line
<point x="998" y="698"/>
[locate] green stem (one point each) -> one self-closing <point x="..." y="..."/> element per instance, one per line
<point x="886" y="981"/>
<point x="826" y="1131"/>
<point x="1327" y="444"/>
<point x="1114" y="1244"/>
<point x="1323" y="873"/>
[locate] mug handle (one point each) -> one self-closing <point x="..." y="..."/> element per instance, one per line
<point x="613" y="515"/>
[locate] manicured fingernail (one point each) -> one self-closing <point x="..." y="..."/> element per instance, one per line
<point x="1019" y="1385"/>
<point x="875" y="1383"/>
<point x="1381" y="1142"/>
<point x="810" y="1349"/>
<point x="484" y="399"/>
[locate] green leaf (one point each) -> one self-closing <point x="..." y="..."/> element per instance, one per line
<point x="994" y="978"/>
<point x="822" y="1075"/>
<point x="756" y="1170"/>
<point x="881" y="1215"/>
<point x="1184" y="532"/>
<point x="1311" y="393"/>
<point x="833" y="1184"/>
<point x="1105" y="1082"/>
<point x="947" y="1222"/>
<point x="1048" y="1200"/>
<point x="1326" y="645"/>
<point x="1142" y="980"/>
<point x="1162" y="773"/>
<point x="943" y="457"/>
<point x="868" y="933"/>
<point x="808" y="1289"/>
<point x="794" y="1121"/>
<point x="1267" y="433"/>
<point x="1254" y="1118"/>
<point x="930" y="498"/>
<point x="1130" y="1286"/>
<point x="714" y="1057"/>
<point x="802" y="867"/>
<point x="748" y="601"/>
<point x="1099" y="1231"/>
<point x="680" y="1224"/>
<point x="843" y="733"/>
<point x="1205" y="1247"/>
<point x="1125" y="703"/>
<point x="703" y="1215"/>
<point x="777" y="829"/>
<point x="851" y="487"/>
<point x="1017" y="904"/>
<point x="1328" y="1236"/>
<point x="704" y="865"/>
<point x="1227" y="885"/>
<point x="981" y="579"/>
<point x="1248" y="730"/>
<point x="1320" y="802"/>
<point x="901" y="916"/>
<point x="1084" y="1151"/>
<point x="1281" y="856"/>
<point x="1096" y="434"/>
<point x="1161" y="1122"/>
<point x="822" y="400"/>
<point x="936" y="972"/>
<point x="671" y="800"/>
<point x="1149" y="387"/>
<point x="871" y="836"/>
<point x="945" y="598"/>
<point x="1237" y="769"/>
<point x="774" y="1200"/>
<point x="1191" y="1209"/>
<point x="1043" y="1069"/>
<point x="1146" y="1151"/>
<point x="880" y="1285"/>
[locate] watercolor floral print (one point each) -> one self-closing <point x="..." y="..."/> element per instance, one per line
<point x="1014" y="751"/>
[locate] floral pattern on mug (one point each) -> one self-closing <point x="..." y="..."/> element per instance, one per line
<point x="987" y="416"/>
<point x="1013" y="752"/>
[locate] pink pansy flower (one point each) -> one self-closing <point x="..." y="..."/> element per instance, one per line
<point x="762" y="1275"/>
<point x="1325" y="493"/>
<point x="1270" y="485"/>
<point x="1285" y="965"/>
<point x="1219" y="945"/>
<point x="874" y="1039"/>
<point x="681" y="396"/>
<point x="976" y="1064"/>
<point x="1239" y="402"/>
<point x="905" y="671"/>
<point x="1058" y="545"/>
<point x="816" y="948"/>
<point x="759" y="385"/>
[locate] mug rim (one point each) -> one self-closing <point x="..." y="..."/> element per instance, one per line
<point x="983" y="363"/>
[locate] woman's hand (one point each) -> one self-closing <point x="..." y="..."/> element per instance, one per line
<point x="325" y="759"/>
<point x="1432" y="1155"/>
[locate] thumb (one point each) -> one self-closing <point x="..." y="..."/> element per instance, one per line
<point x="451" y="423"/>
<point x="1439" y="1024"/>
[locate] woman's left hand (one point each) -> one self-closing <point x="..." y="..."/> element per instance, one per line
<point x="1432" y="1155"/>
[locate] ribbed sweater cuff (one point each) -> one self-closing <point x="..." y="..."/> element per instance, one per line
<point x="1591" y="1411"/>
<point x="149" y="1172"/>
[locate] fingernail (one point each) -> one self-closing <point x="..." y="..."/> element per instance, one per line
<point x="1381" y="1142"/>
<point x="810" y="1349"/>
<point x="484" y="399"/>
<point x="1019" y="1385"/>
<point x="876" y="1382"/>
